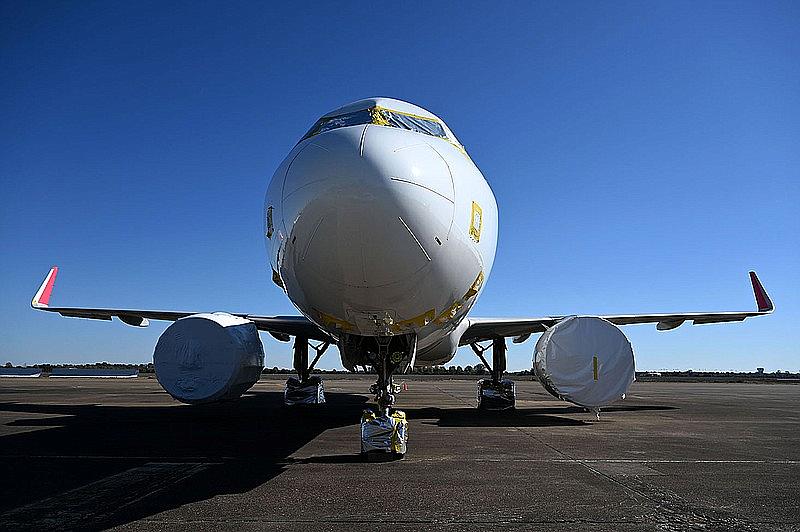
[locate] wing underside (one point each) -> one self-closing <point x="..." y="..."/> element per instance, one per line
<point x="480" y="329"/>
<point x="281" y="327"/>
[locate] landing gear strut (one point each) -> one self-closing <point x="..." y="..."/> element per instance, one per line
<point x="495" y="393"/>
<point x="384" y="434"/>
<point x="305" y="389"/>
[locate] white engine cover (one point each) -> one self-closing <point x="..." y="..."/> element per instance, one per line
<point x="585" y="360"/>
<point x="208" y="357"/>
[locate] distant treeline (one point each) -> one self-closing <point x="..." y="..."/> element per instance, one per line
<point x="716" y="376"/>
<point x="477" y="369"/>
<point x="47" y="368"/>
<point x="480" y="369"/>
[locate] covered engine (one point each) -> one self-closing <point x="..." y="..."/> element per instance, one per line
<point x="208" y="357"/>
<point x="585" y="360"/>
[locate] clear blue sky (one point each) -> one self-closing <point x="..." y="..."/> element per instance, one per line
<point x="644" y="156"/>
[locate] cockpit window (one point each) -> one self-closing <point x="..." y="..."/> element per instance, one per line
<point x="334" y="122"/>
<point x="380" y="116"/>
<point x="387" y="117"/>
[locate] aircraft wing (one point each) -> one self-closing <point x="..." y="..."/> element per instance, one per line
<point x="281" y="327"/>
<point x="489" y="328"/>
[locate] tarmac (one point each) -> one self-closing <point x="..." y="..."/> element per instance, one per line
<point x="93" y="454"/>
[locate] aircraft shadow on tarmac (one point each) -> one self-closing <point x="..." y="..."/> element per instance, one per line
<point x="518" y="417"/>
<point x="241" y="444"/>
<point x="472" y="417"/>
<point x="244" y="444"/>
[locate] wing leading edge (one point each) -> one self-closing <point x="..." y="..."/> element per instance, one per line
<point x="281" y="327"/>
<point x="488" y="328"/>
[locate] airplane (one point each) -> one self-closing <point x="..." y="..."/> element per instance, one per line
<point x="382" y="231"/>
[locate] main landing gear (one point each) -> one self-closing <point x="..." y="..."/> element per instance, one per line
<point x="495" y="393"/>
<point x="305" y="389"/>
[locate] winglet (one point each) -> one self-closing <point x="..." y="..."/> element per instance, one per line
<point x="762" y="298"/>
<point x="42" y="297"/>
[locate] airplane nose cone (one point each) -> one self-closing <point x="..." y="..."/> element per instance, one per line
<point x="365" y="208"/>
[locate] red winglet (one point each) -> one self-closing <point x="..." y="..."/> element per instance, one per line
<point x="762" y="298"/>
<point x="42" y="297"/>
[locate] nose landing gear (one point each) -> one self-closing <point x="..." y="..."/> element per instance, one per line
<point x="384" y="434"/>
<point x="495" y="393"/>
<point x="305" y="389"/>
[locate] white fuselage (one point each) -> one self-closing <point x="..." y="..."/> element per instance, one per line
<point x="374" y="230"/>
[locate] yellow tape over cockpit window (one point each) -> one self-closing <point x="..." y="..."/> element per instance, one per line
<point x="382" y="116"/>
<point x="412" y="122"/>
<point x="392" y="118"/>
<point x="378" y="118"/>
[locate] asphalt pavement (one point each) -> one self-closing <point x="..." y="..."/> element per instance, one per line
<point x="93" y="454"/>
